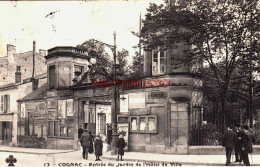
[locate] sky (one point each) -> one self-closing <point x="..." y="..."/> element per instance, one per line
<point x="71" y="23"/>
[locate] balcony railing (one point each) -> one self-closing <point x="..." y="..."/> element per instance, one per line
<point x="62" y="49"/>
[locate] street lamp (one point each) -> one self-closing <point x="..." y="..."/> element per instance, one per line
<point x="115" y="100"/>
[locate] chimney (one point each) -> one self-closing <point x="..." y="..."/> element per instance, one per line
<point x="34" y="50"/>
<point x="35" y="84"/>
<point x="11" y="49"/>
<point x="42" y="52"/>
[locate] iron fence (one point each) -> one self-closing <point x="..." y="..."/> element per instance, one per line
<point x="206" y="123"/>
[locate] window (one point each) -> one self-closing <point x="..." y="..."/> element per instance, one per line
<point x="158" y="62"/>
<point x="143" y="124"/>
<point x="78" y="70"/>
<point x="5" y="103"/>
<point x="53" y="128"/>
<point x="66" y="131"/>
<point x="52" y="77"/>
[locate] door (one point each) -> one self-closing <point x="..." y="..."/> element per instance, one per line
<point x="179" y="124"/>
<point x="102" y="123"/>
<point x="7" y="132"/>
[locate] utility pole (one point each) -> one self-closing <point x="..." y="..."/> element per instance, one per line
<point x="115" y="100"/>
<point x="114" y="108"/>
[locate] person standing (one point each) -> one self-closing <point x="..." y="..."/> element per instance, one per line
<point x="91" y="148"/>
<point x="80" y="132"/>
<point x="238" y="145"/>
<point x="247" y="145"/>
<point x="98" y="148"/>
<point x="120" y="146"/>
<point x="229" y="142"/>
<point x="85" y="143"/>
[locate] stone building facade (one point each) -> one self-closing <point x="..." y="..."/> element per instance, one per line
<point x="16" y="82"/>
<point x="155" y="115"/>
<point x="20" y="63"/>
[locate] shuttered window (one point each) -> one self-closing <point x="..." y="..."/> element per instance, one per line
<point x="5" y="103"/>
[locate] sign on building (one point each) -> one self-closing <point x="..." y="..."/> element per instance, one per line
<point x="137" y="100"/>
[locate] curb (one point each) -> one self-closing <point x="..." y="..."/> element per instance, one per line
<point x="36" y="152"/>
<point x="176" y="163"/>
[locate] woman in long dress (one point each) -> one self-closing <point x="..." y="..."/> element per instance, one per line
<point x="120" y="146"/>
<point x="98" y="148"/>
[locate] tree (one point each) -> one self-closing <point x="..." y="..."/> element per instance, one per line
<point x="103" y="69"/>
<point x="137" y="67"/>
<point x="222" y="33"/>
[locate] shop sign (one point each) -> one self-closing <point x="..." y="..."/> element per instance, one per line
<point x="65" y="93"/>
<point x="123" y="103"/>
<point x="6" y="118"/>
<point x="137" y="100"/>
<point x="158" y="95"/>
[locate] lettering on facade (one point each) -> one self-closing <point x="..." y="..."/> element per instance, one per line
<point x="122" y="119"/>
<point x="158" y="95"/>
<point x="51" y="94"/>
<point x="65" y="93"/>
<point x="7" y="118"/>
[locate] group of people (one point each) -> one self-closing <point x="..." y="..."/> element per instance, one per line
<point x="240" y="139"/>
<point x="86" y="141"/>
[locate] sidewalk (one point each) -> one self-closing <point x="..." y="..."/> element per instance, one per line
<point x="146" y="159"/>
<point x="209" y="160"/>
<point x="32" y="150"/>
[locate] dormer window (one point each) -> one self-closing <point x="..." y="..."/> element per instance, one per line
<point x="158" y="64"/>
<point x="52" y="77"/>
<point x="78" y="70"/>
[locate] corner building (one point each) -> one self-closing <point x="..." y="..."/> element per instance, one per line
<point x="161" y="118"/>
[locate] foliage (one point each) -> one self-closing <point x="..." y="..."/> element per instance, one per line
<point x="137" y="67"/>
<point x="104" y="66"/>
<point x="223" y="34"/>
<point x="205" y="135"/>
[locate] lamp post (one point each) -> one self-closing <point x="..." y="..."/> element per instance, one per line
<point x="115" y="99"/>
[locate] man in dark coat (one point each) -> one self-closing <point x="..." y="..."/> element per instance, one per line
<point x="80" y="132"/>
<point x="238" y="146"/>
<point x="229" y="142"/>
<point x="85" y="143"/>
<point x="247" y="142"/>
<point x="98" y="148"/>
<point x="120" y="146"/>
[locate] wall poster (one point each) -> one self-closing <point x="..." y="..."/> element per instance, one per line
<point x="62" y="108"/>
<point x="70" y="108"/>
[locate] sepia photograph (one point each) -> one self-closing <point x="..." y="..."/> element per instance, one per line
<point x="129" y="83"/>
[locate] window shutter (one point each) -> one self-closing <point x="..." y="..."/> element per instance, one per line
<point x="8" y="103"/>
<point x="2" y="103"/>
<point x="5" y="102"/>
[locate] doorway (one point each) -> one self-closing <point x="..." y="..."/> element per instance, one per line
<point x="179" y="124"/>
<point x="7" y="132"/>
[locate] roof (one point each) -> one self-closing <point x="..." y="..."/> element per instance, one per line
<point x="39" y="93"/>
<point x="27" y="80"/>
